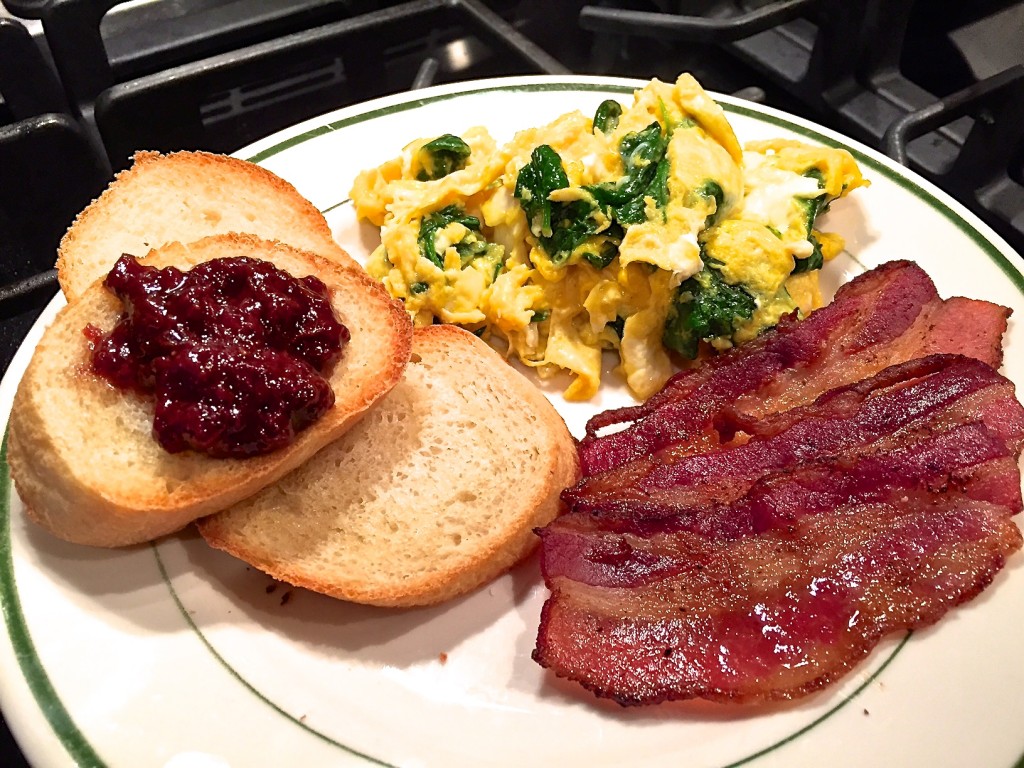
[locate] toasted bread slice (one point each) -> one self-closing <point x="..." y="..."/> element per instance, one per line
<point x="82" y="454"/>
<point x="184" y="197"/>
<point x="434" y="493"/>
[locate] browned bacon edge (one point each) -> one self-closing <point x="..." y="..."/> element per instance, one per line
<point x="887" y="315"/>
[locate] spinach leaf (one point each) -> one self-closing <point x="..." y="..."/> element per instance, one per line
<point x="705" y="307"/>
<point x="606" y="118"/>
<point x="575" y="223"/>
<point x="647" y="168"/>
<point x="658" y="188"/>
<point x="641" y="152"/>
<point x="441" y="156"/>
<point x="812" y="262"/>
<point x="813" y="205"/>
<point x="634" y="210"/>
<point x="600" y="259"/>
<point x="434" y="223"/>
<point x="470" y="248"/>
<point x="711" y="188"/>
<point x="535" y="183"/>
<point x="561" y="227"/>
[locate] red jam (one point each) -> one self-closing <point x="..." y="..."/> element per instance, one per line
<point x="234" y="351"/>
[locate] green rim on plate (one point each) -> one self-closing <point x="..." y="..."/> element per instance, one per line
<point x="32" y="668"/>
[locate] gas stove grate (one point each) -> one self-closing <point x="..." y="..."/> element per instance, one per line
<point x="223" y="102"/>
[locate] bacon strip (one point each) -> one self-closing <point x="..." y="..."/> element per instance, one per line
<point x="971" y="459"/>
<point x="888" y="315"/>
<point x="918" y="395"/>
<point x="772" y="616"/>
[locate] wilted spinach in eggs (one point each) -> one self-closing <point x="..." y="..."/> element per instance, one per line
<point x="441" y="156"/>
<point x="640" y="230"/>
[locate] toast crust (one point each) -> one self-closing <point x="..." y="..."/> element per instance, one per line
<point x="82" y="454"/>
<point x="435" y="493"/>
<point x="184" y="197"/>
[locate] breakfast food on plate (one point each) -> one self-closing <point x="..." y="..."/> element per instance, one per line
<point x="818" y="477"/>
<point x="436" y="491"/>
<point x="82" y="451"/>
<point x="852" y="479"/>
<point x="183" y="197"/>
<point x="641" y="230"/>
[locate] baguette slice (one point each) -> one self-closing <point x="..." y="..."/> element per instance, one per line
<point x="434" y="493"/>
<point x="184" y="197"/>
<point x="82" y="454"/>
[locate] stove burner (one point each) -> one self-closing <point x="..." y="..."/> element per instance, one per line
<point x="219" y="86"/>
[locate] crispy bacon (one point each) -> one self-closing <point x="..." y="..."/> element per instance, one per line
<point x="763" y="617"/>
<point x="767" y="568"/>
<point x="971" y="459"/>
<point x="888" y="315"/>
<point x="870" y="415"/>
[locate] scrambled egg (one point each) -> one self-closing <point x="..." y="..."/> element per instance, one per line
<point x="647" y="230"/>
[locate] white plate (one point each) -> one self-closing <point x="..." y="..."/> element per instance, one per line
<point x="174" y="655"/>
